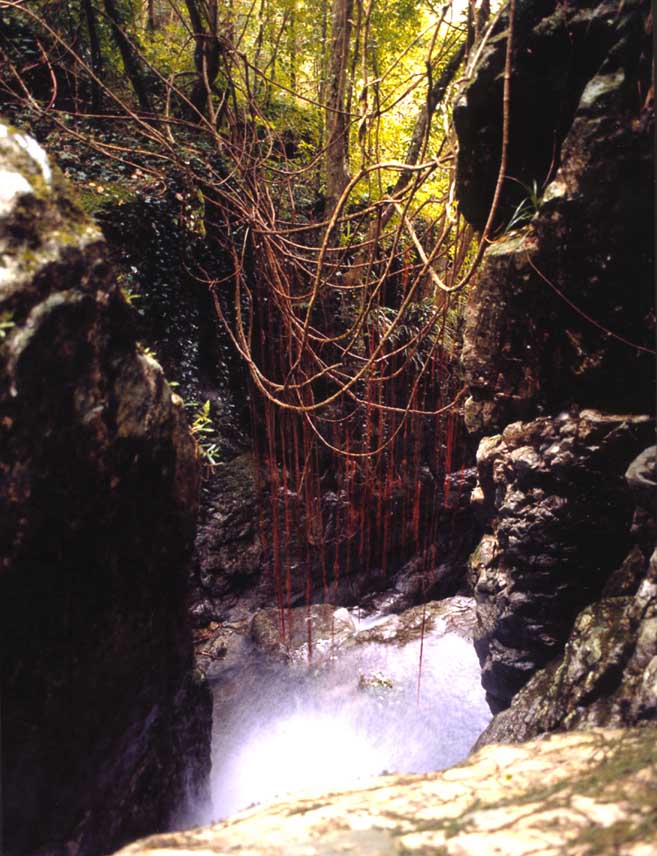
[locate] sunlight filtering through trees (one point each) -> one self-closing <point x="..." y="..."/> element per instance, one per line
<point x="315" y="146"/>
<point x="307" y="159"/>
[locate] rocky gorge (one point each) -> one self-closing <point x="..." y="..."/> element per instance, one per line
<point x="136" y="580"/>
<point x="558" y="361"/>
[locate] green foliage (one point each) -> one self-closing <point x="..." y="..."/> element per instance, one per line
<point x="286" y="114"/>
<point x="94" y="196"/>
<point x="204" y="431"/>
<point x="147" y="352"/>
<point x="247" y="179"/>
<point x="202" y="420"/>
<point x="379" y="688"/>
<point x="527" y="208"/>
<point x="130" y="296"/>
<point x="6" y="323"/>
<point x="417" y="317"/>
<point x="167" y="50"/>
<point x="375" y="681"/>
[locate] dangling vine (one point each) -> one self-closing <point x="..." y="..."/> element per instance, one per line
<point x="347" y="318"/>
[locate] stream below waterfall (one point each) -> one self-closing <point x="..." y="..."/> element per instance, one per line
<point x="286" y="724"/>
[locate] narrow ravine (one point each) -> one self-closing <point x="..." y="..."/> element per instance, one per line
<point x="328" y="476"/>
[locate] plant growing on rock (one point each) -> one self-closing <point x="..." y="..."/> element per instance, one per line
<point x="203" y="430"/>
<point x="527" y="207"/>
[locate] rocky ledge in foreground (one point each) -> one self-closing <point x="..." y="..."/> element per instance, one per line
<point x="582" y="793"/>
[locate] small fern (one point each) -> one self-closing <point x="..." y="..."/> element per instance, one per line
<point x="204" y="431"/>
<point x="527" y="207"/>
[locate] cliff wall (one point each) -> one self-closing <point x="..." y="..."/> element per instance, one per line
<point x="104" y="729"/>
<point x="559" y="353"/>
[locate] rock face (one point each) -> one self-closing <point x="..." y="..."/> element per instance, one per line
<point x="592" y="792"/>
<point x="320" y="632"/>
<point x="235" y="573"/>
<point x="560" y="514"/>
<point x="104" y="728"/>
<point x="582" y="129"/>
<point x="229" y="553"/>
<point x="559" y="333"/>
<point x="608" y="672"/>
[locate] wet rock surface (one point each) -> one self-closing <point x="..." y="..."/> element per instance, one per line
<point x="583" y="793"/>
<point x="317" y="633"/>
<point x="451" y="615"/>
<point x="313" y="633"/>
<point x="302" y="634"/>
<point x="560" y="515"/>
<point x="235" y="573"/>
<point x="229" y="550"/>
<point x="606" y="676"/>
<point x="98" y="495"/>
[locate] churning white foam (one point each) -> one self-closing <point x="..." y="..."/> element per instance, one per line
<point x="281" y="730"/>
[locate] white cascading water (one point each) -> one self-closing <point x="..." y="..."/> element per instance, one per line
<point x="284" y="730"/>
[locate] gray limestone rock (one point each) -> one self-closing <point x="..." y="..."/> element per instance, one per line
<point x="606" y="676"/>
<point x="586" y="793"/>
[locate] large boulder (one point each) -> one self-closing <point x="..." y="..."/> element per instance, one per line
<point x="585" y="793"/>
<point x="560" y="514"/>
<point x="105" y="730"/>
<point x="607" y="674"/>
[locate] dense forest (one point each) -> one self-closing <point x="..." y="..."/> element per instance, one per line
<point x="327" y="371"/>
<point x="314" y="146"/>
<point x="304" y="160"/>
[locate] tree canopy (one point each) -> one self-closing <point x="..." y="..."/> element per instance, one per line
<point x="313" y="146"/>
